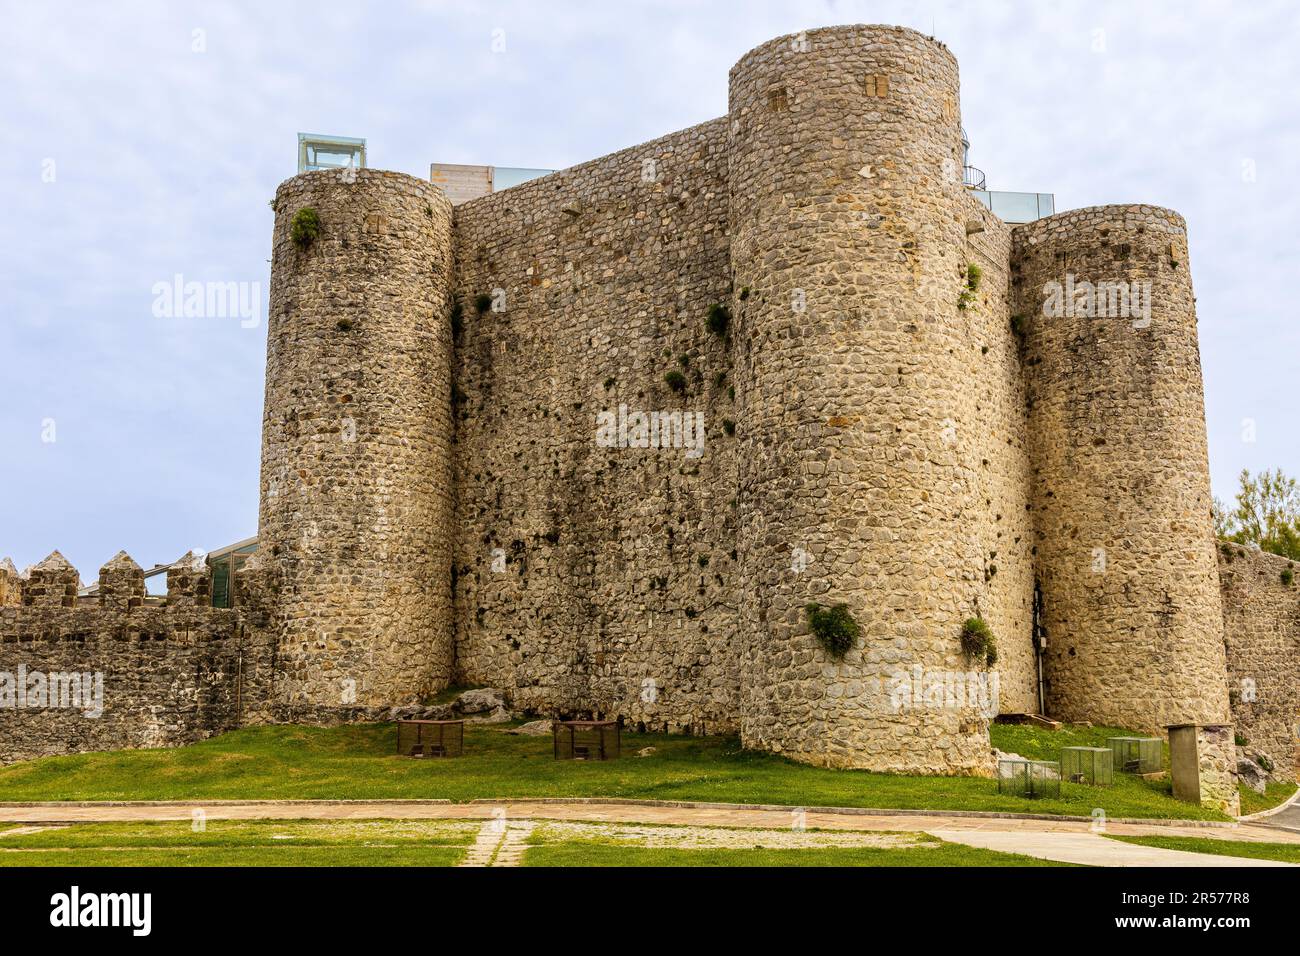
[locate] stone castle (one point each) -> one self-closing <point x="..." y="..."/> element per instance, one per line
<point x="601" y="438"/>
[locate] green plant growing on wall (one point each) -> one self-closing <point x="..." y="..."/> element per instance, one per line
<point x="1019" y="325"/>
<point x="305" y="227"/>
<point x="744" y="293"/>
<point x="482" y="302"/>
<point x="676" y="380"/>
<point x="977" y="640"/>
<point x="729" y="426"/>
<point x="833" y="627"/>
<point x="719" y="318"/>
<point x="1287" y="576"/>
<point x="973" y="276"/>
<point x="684" y="360"/>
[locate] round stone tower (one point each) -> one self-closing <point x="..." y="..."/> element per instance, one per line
<point x="1124" y="537"/>
<point x="848" y="253"/>
<point x="356" y="445"/>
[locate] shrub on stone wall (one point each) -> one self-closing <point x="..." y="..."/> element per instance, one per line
<point x="482" y="302"/>
<point x="977" y="640"/>
<point x="833" y="627"/>
<point x="305" y="227"/>
<point x="1288" y="576"/>
<point x="719" y="318"/>
<point x="973" y="276"/>
<point x="676" y="380"/>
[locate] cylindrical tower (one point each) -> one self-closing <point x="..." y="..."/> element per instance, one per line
<point x="356" y="445"/>
<point x="1124" y="537"/>
<point x="855" y="485"/>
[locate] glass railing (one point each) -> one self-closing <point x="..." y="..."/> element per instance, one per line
<point x="503" y="177"/>
<point x="1016" y="208"/>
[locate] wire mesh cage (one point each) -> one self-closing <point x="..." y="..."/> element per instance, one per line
<point x="1093" y="766"/>
<point x="430" y="738"/>
<point x="1137" y="754"/>
<point x="1029" y="778"/>
<point x="587" y="740"/>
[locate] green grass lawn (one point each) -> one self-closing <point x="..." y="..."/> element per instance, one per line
<point x="573" y="853"/>
<point x="244" y="843"/>
<point x="1286" y="852"/>
<point x="241" y="856"/>
<point x="249" y="834"/>
<point x="1273" y="795"/>
<point x="358" y="762"/>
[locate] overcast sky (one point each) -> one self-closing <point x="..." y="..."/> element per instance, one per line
<point x="144" y="140"/>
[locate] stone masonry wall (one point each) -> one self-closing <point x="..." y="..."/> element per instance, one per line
<point x="10" y="593"/>
<point x="997" y="448"/>
<point x="857" y="419"/>
<point x="1261" y="633"/>
<point x="593" y="579"/>
<point x="124" y="675"/>
<point x="1121" y="487"/>
<point x="356" y="484"/>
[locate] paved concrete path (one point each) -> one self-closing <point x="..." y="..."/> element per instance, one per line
<point x="499" y="843"/>
<point x="1069" y="841"/>
<point x="1287" y="820"/>
<point x="1090" y="849"/>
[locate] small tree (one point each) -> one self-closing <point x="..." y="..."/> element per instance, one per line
<point x="1267" y="514"/>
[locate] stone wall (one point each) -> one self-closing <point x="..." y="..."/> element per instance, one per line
<point x="10" y="593"/>
<point x="1261" y="632"/>
<point x="995" y="448"/>
<point x="1121" y="487"/>
<point x="861" y="385"/>
<point x="124" y="675"/>
<point x="597" y="576"/>
<point x="356" y="484"/>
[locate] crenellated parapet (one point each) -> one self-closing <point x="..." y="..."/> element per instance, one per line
<point x="257" y="590"/>
<point x="121" y="583"/>
<point x="52" y="583"/>
<point x="10" y="584"/>
<point x="118" y="672"/>
<point x="189" y="581"/>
